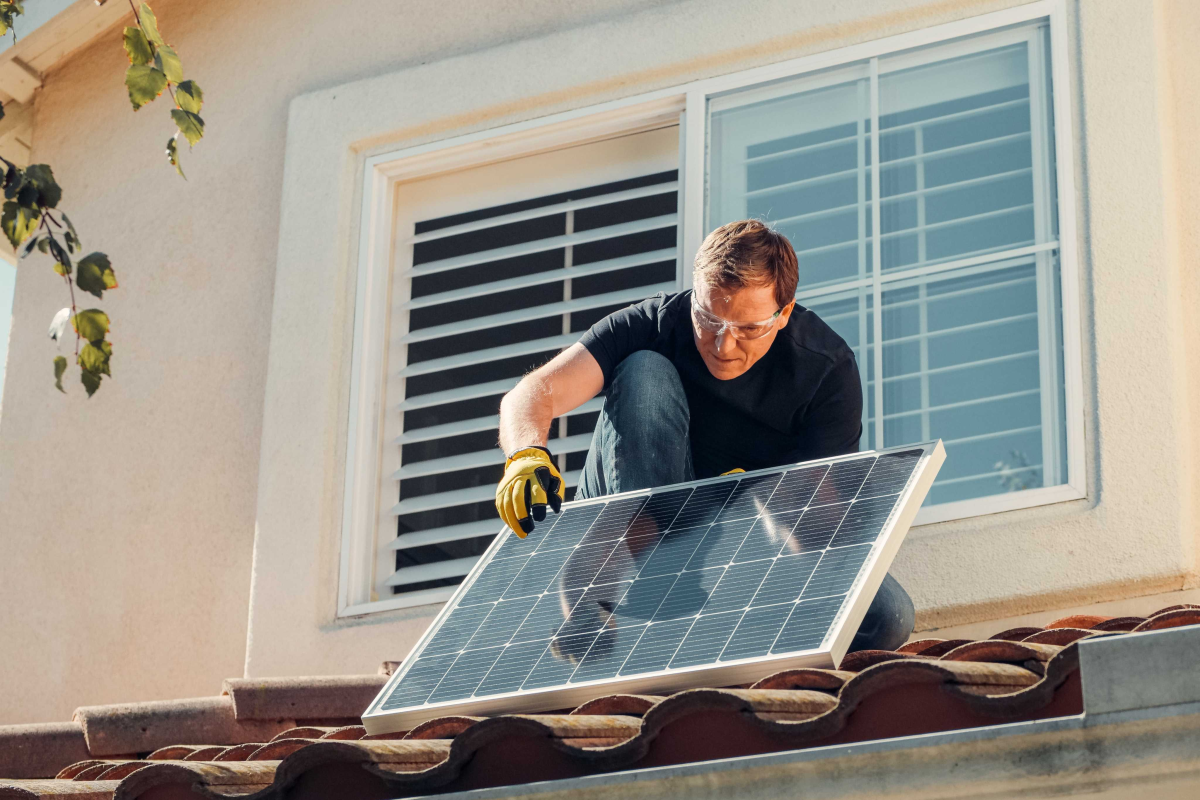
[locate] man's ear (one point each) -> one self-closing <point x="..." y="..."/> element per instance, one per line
<point x="786" y="313"/>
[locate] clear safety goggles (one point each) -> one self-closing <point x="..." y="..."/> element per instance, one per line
<point x="711" y="323"/>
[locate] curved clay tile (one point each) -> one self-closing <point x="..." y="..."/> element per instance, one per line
<point x="829" y="680"/>
<point x="1058" y="636"/>
<point x="238" y="752"/>
<point x="941" y="648"/>
<point x="118" y="771"/>
<point x="1171" y="619"/>
<point x="302" y="732"/>
<point x="175" y="752"/>
<point x="442" y="728"/>
<point x="69" y="772"/>
<point x="861" y="659"/>
<point x="1015" y="634"/>
<point x="1078" y="621"/>
<point x="1002" y="650"/>
<point x="1119" y="624"/>
<point x="205" y="753"/>
<point x="274" y="751"/>
<point x="347" y="733"/>
<point x="224" y="778"/>
<point x="41" y="789"/>
<point x="630" y="704"/>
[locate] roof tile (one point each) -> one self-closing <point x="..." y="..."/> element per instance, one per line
<point x="36" y="751"/>
<point x="876" y="694"/>
<point x="140" y="727"/>
<point x="303" y="698"/>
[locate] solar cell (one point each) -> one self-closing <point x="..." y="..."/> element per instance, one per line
<point x="715" y="582"/>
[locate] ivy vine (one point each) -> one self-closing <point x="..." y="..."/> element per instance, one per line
<point x="32" y="220"/>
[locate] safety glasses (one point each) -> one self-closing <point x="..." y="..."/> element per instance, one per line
<point x="711" y="323"/>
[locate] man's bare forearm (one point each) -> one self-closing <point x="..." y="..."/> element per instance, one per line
<point x="570" y="379"/>
<point x="526" y="413"/>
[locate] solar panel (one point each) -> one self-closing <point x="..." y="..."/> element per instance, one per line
<point x="710" y="583"/>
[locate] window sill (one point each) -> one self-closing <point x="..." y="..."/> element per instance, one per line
<point x="981" y="506"/>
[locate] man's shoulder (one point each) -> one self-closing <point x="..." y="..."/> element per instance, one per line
<point x="811" y="336"/>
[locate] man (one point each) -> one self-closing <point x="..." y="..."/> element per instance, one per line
<point x="728" y="376"/>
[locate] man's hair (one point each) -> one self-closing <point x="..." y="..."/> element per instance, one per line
<point x="748" y="253"/>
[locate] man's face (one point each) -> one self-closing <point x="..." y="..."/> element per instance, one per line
<point x="725" y="354"/>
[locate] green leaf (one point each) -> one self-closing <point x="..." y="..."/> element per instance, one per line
<point x="72" y="236"/>
<point x="62" y="269"/>
<point x="60" y="367"/>
<point x="150" y="24"/>
<point x="144" y="84"/>
<point x="139" y="50"/>
<point x="167" y="60"/>
<point x="173" y="156"/>
<point x="60" y="255"/>
<point x="189" y="97"/>
<point x="94" y="358"/>
<point x="94" y="274"/>
<point x="91" y="324"/>
<point x="190" y="125"/>
<point x="91" y="381"/>
<point x="30" y="245"/>
<point x="41" y="178"/>
<point x="18" y="222"/>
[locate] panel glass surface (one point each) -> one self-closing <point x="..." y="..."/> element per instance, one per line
<point x="688" y="576"/>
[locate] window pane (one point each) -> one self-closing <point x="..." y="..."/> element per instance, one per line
<point x="971" y="355"/>
<point x="798" y="154"/>
<point x="962" y="361"/>
<point x="957" y="149"/>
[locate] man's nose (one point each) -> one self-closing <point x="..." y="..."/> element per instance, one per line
<point x="725" y="343"/>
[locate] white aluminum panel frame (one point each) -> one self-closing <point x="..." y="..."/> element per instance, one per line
<point x="684" y="105"/>
<point x="830" y="653"/>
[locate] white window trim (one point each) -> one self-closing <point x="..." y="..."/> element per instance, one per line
<point x="684" y="105"/>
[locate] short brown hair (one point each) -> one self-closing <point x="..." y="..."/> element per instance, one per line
<point x="748" y="253"/>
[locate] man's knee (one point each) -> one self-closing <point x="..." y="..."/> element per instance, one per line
<point x="648" y="382"/>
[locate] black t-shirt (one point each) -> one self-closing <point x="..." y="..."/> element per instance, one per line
<point x="802" y="400"/>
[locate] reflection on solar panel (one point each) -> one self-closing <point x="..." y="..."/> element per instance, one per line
<point x="714" y="582"/>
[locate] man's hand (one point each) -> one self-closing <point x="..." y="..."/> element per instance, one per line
<point x="530" y="483"/>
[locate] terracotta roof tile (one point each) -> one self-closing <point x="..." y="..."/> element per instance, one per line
<point x="1172" y="618"/>
<point x="35" y="789"/>
<point x="140" y="727"/>
<point x="302" y="698"/>
<point x="38" y="751"/>
<point x="931" y="685"/>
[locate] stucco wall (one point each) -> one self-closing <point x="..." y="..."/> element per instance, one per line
<point x="127" y="521"/>
<point x="132" y="574"/>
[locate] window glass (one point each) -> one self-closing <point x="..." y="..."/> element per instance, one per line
<point x="966" y="276"/>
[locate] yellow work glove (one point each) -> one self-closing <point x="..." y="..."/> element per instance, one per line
<point x="530" y="483"/>
<point x="731" y="472"/>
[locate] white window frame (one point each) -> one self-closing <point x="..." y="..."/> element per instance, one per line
<point x="687" y="105"/>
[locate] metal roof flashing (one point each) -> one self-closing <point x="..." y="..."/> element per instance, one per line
<point x="1141" y="696"/>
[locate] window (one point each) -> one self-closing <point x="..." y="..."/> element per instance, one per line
<point x="489" y="291"/>
<point x="956" y="263"/>
<point x="918" y="178"/>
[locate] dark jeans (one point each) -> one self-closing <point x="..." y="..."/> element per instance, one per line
<point x="641" y="441"/>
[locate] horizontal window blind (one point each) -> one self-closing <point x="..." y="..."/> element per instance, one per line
<point x="496" y="292"/>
